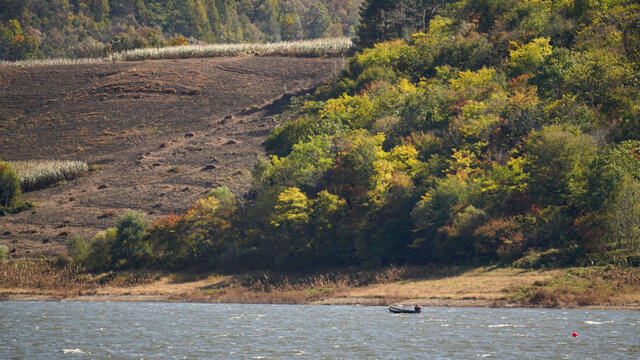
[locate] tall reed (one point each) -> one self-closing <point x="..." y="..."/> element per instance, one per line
<point x="37" y="275"/>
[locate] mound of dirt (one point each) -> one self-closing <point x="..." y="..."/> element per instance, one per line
<point x="160" y="135"/>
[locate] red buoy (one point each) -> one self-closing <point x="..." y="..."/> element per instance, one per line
<point x="575" y="334"/>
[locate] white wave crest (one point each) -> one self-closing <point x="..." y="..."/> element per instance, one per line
<point x="73" y="351"/>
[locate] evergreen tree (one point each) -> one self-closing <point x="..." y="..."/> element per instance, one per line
<point x="379" y="20"/>
<point x="318" y="21"/>
<point x="266" y="15"/>
<point x="200" y="25"/>
<point x="12" y="9"/>
<point x="100" y="9"/>
<point x="214" y="17"/>
<point x="231" y="30"/>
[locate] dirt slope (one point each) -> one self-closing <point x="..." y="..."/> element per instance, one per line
<point x="163" y="133"/>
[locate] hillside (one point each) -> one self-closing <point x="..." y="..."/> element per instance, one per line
<point x="159" y="135"/>
<point x="500" y="133"/>
<point x="496" y="134"/>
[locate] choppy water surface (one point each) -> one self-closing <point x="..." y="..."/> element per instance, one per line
<point x="44" y="330"/>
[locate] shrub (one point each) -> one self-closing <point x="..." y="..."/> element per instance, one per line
<point x="178" y="41"/>
<point x="598" y="73"/>
<point x="470" y="52"/>
<point x="501" y="238"/>
<point x="537" y="259"/>
<point x="373" y="74"/>
<point x="356" y="112"/>
<point x="9" y="185"/>
<point x="283" y="138"/>
<point x="545" y="298"/>
<point x="99" y="258"/>
<point x="4" y="253"/>
<point x="527" y="59"/>
<point x="223" y="194"/>
<point x="78" y="249"/>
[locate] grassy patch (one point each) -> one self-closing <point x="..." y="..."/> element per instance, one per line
<point x="19" y="207"/>
<point x="582" y="287"/>
<point x="36" y="175"/>
<point x="94" y="168"/>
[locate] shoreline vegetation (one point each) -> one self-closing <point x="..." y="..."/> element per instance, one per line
<point x="327" y="47"/>
<point x="608" y="288"/>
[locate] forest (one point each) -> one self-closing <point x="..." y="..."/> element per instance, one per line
<point x="480" y="132"/>
<point x="34" y="29"/>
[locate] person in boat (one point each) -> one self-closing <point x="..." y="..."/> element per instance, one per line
<point x="416" y="308"/>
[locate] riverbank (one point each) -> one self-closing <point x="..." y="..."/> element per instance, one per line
<point x="593" y="288"/>
<point x="466" y="303"/>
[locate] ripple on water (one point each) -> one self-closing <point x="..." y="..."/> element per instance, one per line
<point x="142" y="330"/>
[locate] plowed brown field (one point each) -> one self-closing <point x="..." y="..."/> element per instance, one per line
<point x="161" y="134"/>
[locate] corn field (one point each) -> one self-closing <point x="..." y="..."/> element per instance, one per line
<point x="35" y="175"/>
<point x="308" y="48"/>
<point x="57" y="61"/>
<point x="329" y="47"/>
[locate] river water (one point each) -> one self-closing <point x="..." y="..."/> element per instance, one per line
<point x="103" y="330"/>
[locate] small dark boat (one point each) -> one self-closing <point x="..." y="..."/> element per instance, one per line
<point x="400" y="309"/>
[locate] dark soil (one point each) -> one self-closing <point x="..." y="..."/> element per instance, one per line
<point x="159" y="135"/>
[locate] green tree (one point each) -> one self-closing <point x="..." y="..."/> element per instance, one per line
<point x="99" y="258"/>
<point x="623" y="214"/>
<point x="214" y="17"/>
<point x="291" y="210"/>
<point x="290" y="27"/>
<point x="201" y="27"/>
<point x="267" y="15"/>
<point x="129" y="249"/>
<point x="558" y="159"/>
<point x="456" y="242"/>
<point x="100" y="9"/>
<point x="13" y="9"/>
<point x="289" y="223"/>
<point x="231" y="29"/>
<point x="353" y="174"/>
<point x="609" y="168"/>
<point x="318" y="21"/>
<point x="329" y="240"/>
<point x="435" y="210"/>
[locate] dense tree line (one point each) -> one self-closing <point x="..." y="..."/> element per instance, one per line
<point x="92" y="28"/>
<point x="503" y="132"/>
